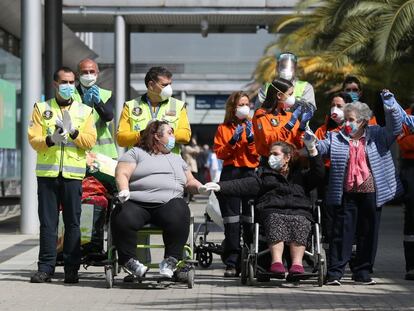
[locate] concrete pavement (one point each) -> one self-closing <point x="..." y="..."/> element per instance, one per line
<point x="18" y="255"/>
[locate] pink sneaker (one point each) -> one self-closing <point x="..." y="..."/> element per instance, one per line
<point x="296" y="269"/>
<point x="277" y="268"/>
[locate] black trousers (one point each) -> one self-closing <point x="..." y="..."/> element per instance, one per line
<point x="357" y="216"/>
<point x="407" y="179"/>
<point x="230" y="211"/>
<point x="172" y="217"/>
<point x="51" y="193"/>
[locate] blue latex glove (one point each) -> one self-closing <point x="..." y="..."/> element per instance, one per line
<point x="249" y="131"/>
<point x="237" y="134"/>
<point x="294" y="117"/>
<point x="87" y="97"/>
<point x="306" y="116"/>
<point x="388" y="99"/>
<point x="96" y="99"/>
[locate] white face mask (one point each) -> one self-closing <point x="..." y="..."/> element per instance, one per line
<point x="166" y="92"/>
<point x="289" y="102"/>
<point x="286" y="74"/>
<point x="276" y="162"/>
<point x="88" y="80"/>
<point x="337" y="115"/>
<point x="242" y="112"/>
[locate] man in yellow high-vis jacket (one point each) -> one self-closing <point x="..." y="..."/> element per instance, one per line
<point x="101" y="100"/>
<point x="156" y="104"/>
<point x="61" y="130"/>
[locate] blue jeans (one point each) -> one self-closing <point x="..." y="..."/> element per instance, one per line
<point x="53" y="192"/>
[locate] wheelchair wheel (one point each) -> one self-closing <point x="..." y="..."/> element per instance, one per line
<point x="190" y="278"/>
<point x="250" y="272"/>
<point x="322" y="267"/>
<point x="244" y="267"/>
<point x="222" y="257"/>
<point x="109" y="277"/>
<point x="204" y="258"/>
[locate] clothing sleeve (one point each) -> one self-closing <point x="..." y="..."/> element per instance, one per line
<point x="124" y="136"/>
<point x="406" y="140"/>
<point x="309" y="94"/>
<point x="316" y="174"/>
<point x="183" y="131"/>
<point x="393" y="126"/>
<point x="407" y="119"/>
<point x="86" y="138"/>
<point x="184" y="165"/>
<point x="324" y="146"/>
<point x="131" y="156"/>
<point x="106" y="110"/>
<point x="222" y="147"/>
<point x="243" y="187"/>
<point x="35" y="131"/>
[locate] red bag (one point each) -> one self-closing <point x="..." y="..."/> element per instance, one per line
<point x="93" y="192"/>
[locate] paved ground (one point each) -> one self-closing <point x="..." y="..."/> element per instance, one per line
<point x="211" y="292"/>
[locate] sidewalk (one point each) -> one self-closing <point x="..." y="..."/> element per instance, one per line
<point x="18" y="255"/>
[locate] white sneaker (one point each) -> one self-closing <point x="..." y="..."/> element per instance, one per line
<point x="136" y="268"/>
<point x="167" y="267"/>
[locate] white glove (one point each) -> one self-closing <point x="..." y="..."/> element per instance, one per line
<point x="123" y="196"/>
<point x="310" y="140"/>
<point x="208" y="187"/>
<point x="67" y="122"/>
<point x="59" y="136"/>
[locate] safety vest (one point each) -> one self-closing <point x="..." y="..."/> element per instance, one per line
<point x="299" y="88"/>
<point x="140" y="114"/>
<point x="104" y="139"/>
<point x="66" y="158"/>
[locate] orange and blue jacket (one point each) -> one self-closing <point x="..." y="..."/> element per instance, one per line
<point x="271" y="127"/>
<point x="239" y="154"/>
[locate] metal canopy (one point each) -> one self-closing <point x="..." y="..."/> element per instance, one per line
<point x="243" y="17"/>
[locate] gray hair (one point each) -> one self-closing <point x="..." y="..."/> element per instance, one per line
<point x="362" y="111"/>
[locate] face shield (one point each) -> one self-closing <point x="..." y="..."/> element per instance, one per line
<point x="286" y="66"/>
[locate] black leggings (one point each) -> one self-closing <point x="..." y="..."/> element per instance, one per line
<point x="172" y="217"/>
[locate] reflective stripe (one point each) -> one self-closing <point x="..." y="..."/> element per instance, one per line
<point x="408" y="238"/>
<point x="137" y="102"/>
<point x="104" y="141"/>
<point x="246" y="219"/>
<point x="231" y="219"/>
<point x="173" y="106"/>
<point x="47" y="167"/>
<point x="73" y="169"/>
<point x="70" y="144"/>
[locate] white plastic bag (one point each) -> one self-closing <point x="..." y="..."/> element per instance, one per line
<point x="213" y="210"/>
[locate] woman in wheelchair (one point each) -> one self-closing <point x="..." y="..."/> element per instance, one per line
<point x="282" y="200"/>
<point x="151" y="182"/>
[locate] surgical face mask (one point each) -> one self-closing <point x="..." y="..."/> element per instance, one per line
<point x="242" y="112"/>
<point x="287" y="74"/>
<point x="337" y="115"/>
<point x="289" y="102"/>
<point x="354" y="96"/>
<point x="166" y="92"/>
<point x="66" y="90"/>
<point x="276" y="162"/>
<point x="170" y="144"/>
<point x="350" y="128"/>
<point x="87" y="80"/>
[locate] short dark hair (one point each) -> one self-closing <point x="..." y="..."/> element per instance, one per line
<point x="64" y="69"/>
<point x="271" y="95"/>
<point x="147" y="136"/>
<point x="155" y="72"/>
<point x="351" y="79"/>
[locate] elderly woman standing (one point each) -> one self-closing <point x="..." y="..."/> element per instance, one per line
<point x="151" y="182"/>
<point x="362" y="179"/>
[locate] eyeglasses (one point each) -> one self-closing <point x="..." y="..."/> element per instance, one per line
<point x="351" y="90"/>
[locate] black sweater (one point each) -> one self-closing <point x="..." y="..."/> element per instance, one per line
<point x="275" y="193"/>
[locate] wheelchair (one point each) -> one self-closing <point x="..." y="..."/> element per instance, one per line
<point x="255" y="257"/>
<point x="185" y="269"/>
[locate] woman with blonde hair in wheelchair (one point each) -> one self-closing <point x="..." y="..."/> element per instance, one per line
<point x="282" y="201"/>
<point x="151" y="182"/>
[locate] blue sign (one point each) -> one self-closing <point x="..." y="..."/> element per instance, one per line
<point x="211" y="102"/>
